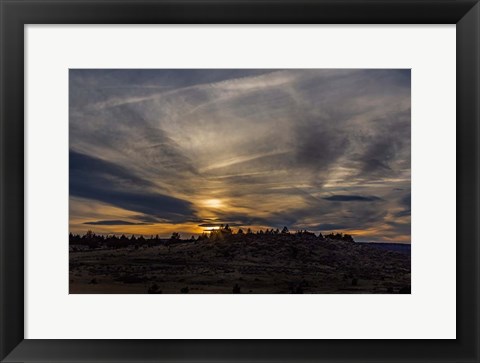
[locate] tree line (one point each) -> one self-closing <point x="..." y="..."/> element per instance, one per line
<point x="223" y="232"/>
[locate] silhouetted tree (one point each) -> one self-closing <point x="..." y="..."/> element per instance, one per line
<point x="285" y="230"/>
<point x="340" y="237"/>
<point x="226" y="230"/>
<point x="202" y="237"/>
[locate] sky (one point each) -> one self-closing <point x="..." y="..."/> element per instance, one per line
<point x="156" y="151"/>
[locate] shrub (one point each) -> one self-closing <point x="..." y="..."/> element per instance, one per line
<point x="154" y="289"/>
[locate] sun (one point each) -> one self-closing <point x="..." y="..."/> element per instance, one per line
<point x="213" y="203"/>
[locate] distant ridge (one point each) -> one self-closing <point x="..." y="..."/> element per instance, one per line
<point x="388" y="246"/>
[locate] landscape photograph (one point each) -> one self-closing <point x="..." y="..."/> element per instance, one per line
<point x="239" y="181"/>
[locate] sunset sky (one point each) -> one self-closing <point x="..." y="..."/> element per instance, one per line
<point x="158" y="151"/>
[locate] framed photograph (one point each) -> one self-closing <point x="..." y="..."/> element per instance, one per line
<point x="240" y="181"/>
<point x="219" y="181"/>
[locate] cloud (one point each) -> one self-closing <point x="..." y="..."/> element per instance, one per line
<point x="212" y="225"/>
<point x="82" y="166"/>
<point x="328" y="227"/>
<point x="96" y="179"/>
<point x="407" y="200"/>
<point x="352" y="198"/>
<point x="114" y="223"/>
<point x="404" y="213"/>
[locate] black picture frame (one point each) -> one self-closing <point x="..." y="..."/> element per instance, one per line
<point x="15" y="14"/>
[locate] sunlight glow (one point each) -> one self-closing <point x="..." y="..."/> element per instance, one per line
<point x="213" y="203"/>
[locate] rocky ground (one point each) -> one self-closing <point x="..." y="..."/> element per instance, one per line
<point x="277" y="264"/>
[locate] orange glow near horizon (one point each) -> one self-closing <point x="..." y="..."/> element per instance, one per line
<point x="206" y="208"/>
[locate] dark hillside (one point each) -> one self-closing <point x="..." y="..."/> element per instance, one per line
<point x="240" y="263"/>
